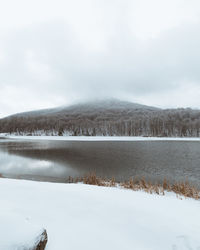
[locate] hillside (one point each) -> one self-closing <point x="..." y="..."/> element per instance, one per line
<point x="106" y="117"/>
<point x="104" y="105"/>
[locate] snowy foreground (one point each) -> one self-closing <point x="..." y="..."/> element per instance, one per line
<point x="101" y="138"/>
<point x="78" y="216"/>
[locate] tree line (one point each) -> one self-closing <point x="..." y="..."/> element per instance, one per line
<point x="167" y="123"/>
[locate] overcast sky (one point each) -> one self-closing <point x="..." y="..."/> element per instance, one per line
<point x="57" y="52"/>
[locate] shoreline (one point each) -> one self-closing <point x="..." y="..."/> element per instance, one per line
<point x="100" y="138"/>
<point x="180" y="189"/>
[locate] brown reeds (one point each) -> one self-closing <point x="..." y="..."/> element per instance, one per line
<point x="179" y="188"/>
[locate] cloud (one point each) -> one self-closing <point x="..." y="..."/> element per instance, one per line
<point x="61" y="60"/>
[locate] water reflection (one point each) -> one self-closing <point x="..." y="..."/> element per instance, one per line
<point x="29" y="168"/>
<point x="56" y="160"/>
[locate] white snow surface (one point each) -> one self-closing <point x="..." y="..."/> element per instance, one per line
<point x="17" y="232"/>
<point x="101" y="138"/>
<point x="78" y="216"/>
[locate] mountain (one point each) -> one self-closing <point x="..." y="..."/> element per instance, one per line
<point x="105" y="117"/>
<point x="87" y="107"/>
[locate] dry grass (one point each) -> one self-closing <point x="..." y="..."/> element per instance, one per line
<point x="180" y="188"/>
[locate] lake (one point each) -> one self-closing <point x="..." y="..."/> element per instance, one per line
<point x="51" y="160"/>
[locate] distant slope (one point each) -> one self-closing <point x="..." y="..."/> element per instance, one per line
<point x="106" y="117"/>
<point x="87" y="107"/>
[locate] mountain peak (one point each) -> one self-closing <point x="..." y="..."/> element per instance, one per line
<point x="111" y="103"/>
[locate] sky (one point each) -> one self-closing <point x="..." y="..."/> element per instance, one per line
<point x="59" y="52"/>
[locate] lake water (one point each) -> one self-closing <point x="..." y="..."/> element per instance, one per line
<point x="51" y="160"/>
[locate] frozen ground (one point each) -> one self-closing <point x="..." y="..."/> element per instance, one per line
<point x="17" y="232"/>
<point x="79" y="216"/>
<point x="102" y="138"/>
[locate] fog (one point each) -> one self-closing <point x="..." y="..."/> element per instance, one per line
<point x="58" y="53"/>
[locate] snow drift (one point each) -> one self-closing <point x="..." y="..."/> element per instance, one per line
<point x="79" y="216"/>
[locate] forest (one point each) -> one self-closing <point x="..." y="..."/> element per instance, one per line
<point x="122" y="119"/>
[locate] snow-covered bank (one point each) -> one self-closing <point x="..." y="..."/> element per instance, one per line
<point x="17" y="232"/>
<point x="79" y="216"/>
<point x="101" y="138"/>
